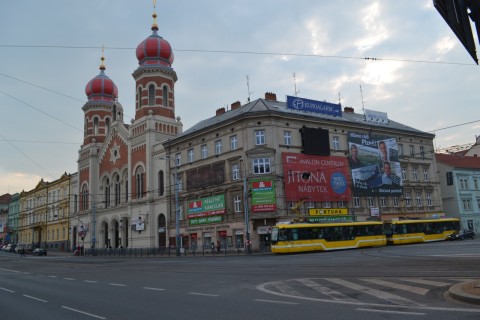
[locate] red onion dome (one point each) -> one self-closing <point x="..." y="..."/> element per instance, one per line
<point x="155" y="50"/>
<point x="101" y="88"/>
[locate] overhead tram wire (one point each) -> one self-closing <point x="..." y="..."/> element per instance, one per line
<point x="308" y="55"/>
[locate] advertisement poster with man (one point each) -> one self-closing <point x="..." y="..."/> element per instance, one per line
<point x="374" y="164"/>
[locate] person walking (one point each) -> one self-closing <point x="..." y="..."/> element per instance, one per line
<point x="22" y="253"/>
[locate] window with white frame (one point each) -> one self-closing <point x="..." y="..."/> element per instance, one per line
<point x="356" y="202"/>
<point x="428" y="196"/>
<point x="404" y="174"/>
<point x="467" y="204"/>
<point x="336" y="143"/>
<point x="425" y="174"/>
<point x="412" y="150"/>
<point x="370" y="202"/>
<point x="475" y="183"/>
<point x="261" y="165"/>
<point x="179" y="183"/>
<point x="233" y="142"/>
<point x="327" y="204"/>
<point x="415" y="175"/>
<point x="400" y="150"/>
<point x="422" y="152"/>
<point x="190" y="155"/>
<point x="310" y="204"/>
<point x="463" y="183"/>
<point x="341" y="204"/>
<point x="419" y="199"/>
<point x="259" y="137"/>
<point x="287" y="138"/>
<point x="383" y="202"/>
<point x="204" y="151"/>
<point x="178" y="159"/>
<point x="218" y="147"/>
<point x="408" y="204"/>
<point x="396" y="202"/>
<point x="235" y="171"/>
<point x="237" y="203"/>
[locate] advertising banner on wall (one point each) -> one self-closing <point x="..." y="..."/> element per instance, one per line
<point x="315" y="178"/>
<point x="307" y="105"/>
<point x="206" y="207"/>
<point x="263" y="195"/>
<point x="374" y="164"/>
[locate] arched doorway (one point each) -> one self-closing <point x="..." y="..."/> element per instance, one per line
<point x="162" y="231"/>
<point x="106" y="239"/>
<point x="116" y="235"/>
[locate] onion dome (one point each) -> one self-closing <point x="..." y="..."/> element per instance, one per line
<point x="154" y="50"/>
<point x="101" y="88"/>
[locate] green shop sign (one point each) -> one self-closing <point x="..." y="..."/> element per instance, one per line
<point x="205" y="220"/>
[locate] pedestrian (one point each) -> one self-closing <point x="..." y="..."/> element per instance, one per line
<point x="219" y="246"/>
<point x="22" y="253"/>
<point x="212" y="246"/>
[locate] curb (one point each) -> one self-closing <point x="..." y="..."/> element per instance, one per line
<point x="456" y="292"/>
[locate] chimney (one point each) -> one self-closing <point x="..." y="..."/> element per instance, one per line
<point x="235" y="105"/>
<point x="270" y="96"/>
<point x="220" y="111"/>
<point x="348" y="110"/>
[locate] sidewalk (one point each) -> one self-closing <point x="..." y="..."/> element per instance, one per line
<point x="466" y="291"/>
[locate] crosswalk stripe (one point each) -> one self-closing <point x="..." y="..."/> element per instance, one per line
<point x="335" y="295"/>
<point x="427" y="282"/>
<point x="383" y="295"/>
<point x="399" y="286"/>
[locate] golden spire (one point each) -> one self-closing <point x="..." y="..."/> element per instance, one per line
<point x="154" y="15"/>
<point x="102" y="65"/>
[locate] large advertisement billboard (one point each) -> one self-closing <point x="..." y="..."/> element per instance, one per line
<point x="206" y="210"/>
<point x="315" y="178"/>
<point x="375" y="165"/>
<point x="263" y="195"/>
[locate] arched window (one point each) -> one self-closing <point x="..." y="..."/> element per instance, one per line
<point x="84" y="197"/>
<point x="117" y="190"/>
<point x="151" y="95"/>
<point x="139" y="179"/>
<point x="107" y="124"/>
<point x="106" y="189"/>
<point x="165" y="96"/>
<point x="85" y="126"/>
<point x="161" y="183"/>
<point x="139" y="98"/>
<point x="95" y="125"/>
<point x="114" y="112"/>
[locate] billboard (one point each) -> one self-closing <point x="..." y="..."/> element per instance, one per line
<point x="307" y="105"/>
<point x="375" y="165"/>
<point x="263" y="195"/>
<point x="205" y="207"/>
<point x="315" y="178"/>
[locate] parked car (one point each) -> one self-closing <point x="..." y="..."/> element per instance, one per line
<point x="20" y="247"/>
<point x="6" y="247"/>
<point x="462" y="234"/>
<point x="39" y="252"/>
<point x="12" y="247"/>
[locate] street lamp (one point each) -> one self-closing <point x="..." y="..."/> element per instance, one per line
<point x="177" y="210"/>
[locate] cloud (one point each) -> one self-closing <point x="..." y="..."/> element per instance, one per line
<point x="376" y="31"/>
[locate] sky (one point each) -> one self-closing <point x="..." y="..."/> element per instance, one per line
<point x="417" y="71"/>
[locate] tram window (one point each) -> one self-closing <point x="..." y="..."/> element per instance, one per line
<point x="294" y="234"/>
<point x="283" y="235"/>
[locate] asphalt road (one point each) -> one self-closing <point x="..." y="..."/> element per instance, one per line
<point x="402" y="282"/>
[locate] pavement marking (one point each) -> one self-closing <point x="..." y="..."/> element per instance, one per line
<point x="52" y="276"/>
<point x="83" y="312"/>
<point x="70" y="279"/>
<point x="276" y="301"/>
<point x="203" y="294"/>
<point x="427" y="282"/>
<point x="383" y="295"/>
<point x="393" y="312"/>
<point x="38" y="299"/>
<point x="5" y="289"/>
<point x="335" y="295"/>
<point x="9" y="270"/>
<point x="399" y="286"/>
<point x="150" y="288"/>
<point x="117" y="284"/>
<point x="286" y="289"/>
<point x="90" y="281"/>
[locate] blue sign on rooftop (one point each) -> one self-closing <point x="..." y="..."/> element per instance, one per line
<point x="307" y="105"/>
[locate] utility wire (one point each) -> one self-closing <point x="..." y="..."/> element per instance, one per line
<point x="249" y="53"/>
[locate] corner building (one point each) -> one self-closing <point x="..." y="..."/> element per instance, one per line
<point x="245" y="169"/>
